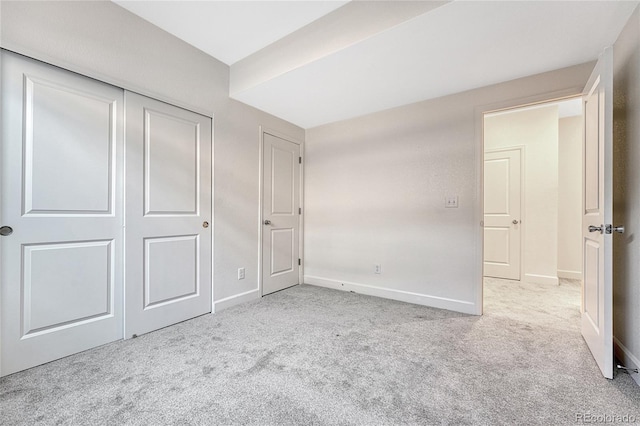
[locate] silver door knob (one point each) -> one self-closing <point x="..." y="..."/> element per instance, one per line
<point x="267" y="222"/>
<point x="515" y="222"/>
<point x="609" y="229"/>
<point x="205" y="224"/>
<point x="5" y="231"/>
<point x="596" y="228"/>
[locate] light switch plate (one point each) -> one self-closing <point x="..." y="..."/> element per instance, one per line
<point x="241" y="273"/>
<point x="451" y="202"/>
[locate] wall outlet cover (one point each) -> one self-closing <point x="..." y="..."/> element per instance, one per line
<point x="451" y="202"/>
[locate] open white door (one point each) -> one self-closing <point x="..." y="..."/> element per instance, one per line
<point x="281" y="214"/>
<point x="597" y="316"/>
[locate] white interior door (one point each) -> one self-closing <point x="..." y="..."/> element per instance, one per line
<point x="280" y="214"/>
<point x="502" y="215"/>
<point x="61" y="279"/>
<point x="168" y="211"/>
<point x="597" y="316"/>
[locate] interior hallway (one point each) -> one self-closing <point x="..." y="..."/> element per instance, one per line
<point x="311" y="355"/>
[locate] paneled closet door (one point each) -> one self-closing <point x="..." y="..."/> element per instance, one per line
<point x="61" y="213"/>
<point x="168" y="215"/>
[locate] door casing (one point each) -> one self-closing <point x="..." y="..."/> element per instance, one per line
<point x="480" y="111"/>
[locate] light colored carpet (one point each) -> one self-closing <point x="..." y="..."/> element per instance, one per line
<point x="310" y="355"/>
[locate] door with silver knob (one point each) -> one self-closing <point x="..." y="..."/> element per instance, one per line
<point x="281" y="201"/>
<point x="502" y="213"/>
<point x="61" y="275"/>
<point x="597" y="244"/>
<point x="168" y="208"/>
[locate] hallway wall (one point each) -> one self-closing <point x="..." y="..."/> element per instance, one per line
<point x="570" y="198"/>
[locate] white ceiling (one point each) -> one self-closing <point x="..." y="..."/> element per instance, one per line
<point x="229" y="30"/>
<point x="454" y="47"/>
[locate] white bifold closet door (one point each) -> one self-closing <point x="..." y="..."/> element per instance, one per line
<point x="61" y="267"/>
<point x="83" y="264"/>
<point x="168" y="215"/>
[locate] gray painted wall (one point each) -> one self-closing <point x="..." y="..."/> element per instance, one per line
<point x="375" y="188"/>
<point x="626" y="200"/>
<point x="106" y="42"/>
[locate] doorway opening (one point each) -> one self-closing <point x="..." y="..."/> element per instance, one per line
<point x="533" y="198"/>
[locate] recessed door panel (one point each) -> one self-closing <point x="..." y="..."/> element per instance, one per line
<point x="496" y="179"/>
<point x="591" y="300"/>
<point x="281" y="226"/>
<point x="171" y="269"/>
<point x="282" y="178"/>
<point x="496" y="245"/>
<point x="282" y="243"/>
<point x="65" y="284"/>
<point x="171" y="164"/>
<point x="591" y="157"/>
<point x="61" y="182"/>
<point x="68" y="149"/>
<point x="168" y="215"/>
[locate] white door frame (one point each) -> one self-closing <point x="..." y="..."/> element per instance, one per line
<point x="480" y="111"/>
<point x="262" y="130"/>
<point x="523" y="219"/>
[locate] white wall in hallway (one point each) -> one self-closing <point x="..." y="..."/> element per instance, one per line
<point x="570" y="198"/>
<point x="104" y="41"/>
<point x="537" y="130"/>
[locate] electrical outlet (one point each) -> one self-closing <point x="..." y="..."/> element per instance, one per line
<point x="378" y="269"/>
<point x="241" y="273"/>
<point x="451" y="202"/>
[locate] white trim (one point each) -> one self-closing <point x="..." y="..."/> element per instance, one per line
<point x="626" y="358"/>
<point x="262" y="130"/>
<point x="480" y="111"/>
<point x="389" y="293"/>
<point x="213" y="215"/>
<point x="236" y="299"/>
<point x="570" y="275"/>
<point x="541" y="279"/>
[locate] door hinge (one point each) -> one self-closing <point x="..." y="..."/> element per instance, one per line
<point x="299" y="160"/>
<point x="299" y="262"/>
<point x="299" y="210"/>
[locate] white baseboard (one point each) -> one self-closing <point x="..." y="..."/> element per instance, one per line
<point x="627" y="358"/>
<point x="388" y="293"/>
<point x="570" y="275"/>
<point x="541" y="279"/>
<point x="236" y="299"/>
